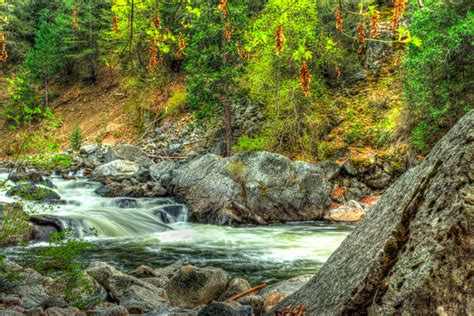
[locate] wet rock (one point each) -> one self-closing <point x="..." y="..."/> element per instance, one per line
<point x="129" y="153"/>
<point x="116" y="189"/>
<point x="411" y="255"/>
<point x="160" y="172"/>
<point x="136" y="295"/>
<point x="33" y="192"/>
<point x="226" y="309"/>
<point x="190" y="286"/>
<point x="31" y="176"/>
<point x="126" y="203"/>
<point x="162" y="215"/>
<point x="236" y="286"/>
<point x="116" y="170"/>
<point x="352" y="211"/>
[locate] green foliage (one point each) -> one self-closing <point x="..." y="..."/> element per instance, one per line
<point x="439" y="80"/>
<point x="22" y="105"/>
<point x="238" y="171"/>
<point x="176" y="104"/>
<point x="294" y="122"/>
<point x="211" y="77"/>
<point x="13" y="222"/>
<point x="76" y="138"/>
<point x="246" y="144"/>
<point x="60" y="259"/>
<point x="43" y="61"/>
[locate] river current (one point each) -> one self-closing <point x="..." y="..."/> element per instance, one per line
<point x="156" y="232"/>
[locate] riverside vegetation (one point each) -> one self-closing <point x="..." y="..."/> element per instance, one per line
<point x="207" y="157"/>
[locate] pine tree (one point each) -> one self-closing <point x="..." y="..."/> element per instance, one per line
<point x="44" y="60"/>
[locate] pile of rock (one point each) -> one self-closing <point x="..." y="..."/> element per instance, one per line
<point x="253" y="188"/>
<point x="179" y="289"/>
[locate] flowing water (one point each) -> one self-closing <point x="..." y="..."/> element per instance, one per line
<point x="155" y="232"/>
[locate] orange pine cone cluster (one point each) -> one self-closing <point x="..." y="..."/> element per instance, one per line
<point x="181" y="46"/>
<point x="223" y="7"/>
<point x="156" y="21"/>
<point x="3" y="50"/>
<point x="374" y="22"/>
<point x="399" y="8"/>
<point x="75" y="20"/>
<point x="243" y="54"/>
<point x="228" y="32"/>
<point x="115" y="26"/>
<point x="305" y="78"/>
<point x="339" y="20"/>
<point x="279" y="39"/>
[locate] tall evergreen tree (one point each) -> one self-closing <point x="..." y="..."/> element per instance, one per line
<point x="44" y="60"/>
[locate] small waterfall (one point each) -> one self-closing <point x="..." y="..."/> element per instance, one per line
<point x="128" y="232"/>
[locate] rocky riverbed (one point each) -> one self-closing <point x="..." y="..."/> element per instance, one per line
<point x="178" y="289"/>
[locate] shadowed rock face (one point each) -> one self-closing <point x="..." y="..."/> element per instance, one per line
<point x="411" y="254"/>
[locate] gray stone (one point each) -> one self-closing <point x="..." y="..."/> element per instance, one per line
<point x="226" y="309"/>
<point x="236" y="286"/>
<point x="190" y="286"/>
<point x="412" y="253"/>
<point x="136" y="295"/>
<point x="161" y="172"/>
<point x="172" y="311"/>
<point x="109" y="311"/>
<point x="257" y="188"/>
<point x="128" y="152"/>
<point x="116" y="170"/>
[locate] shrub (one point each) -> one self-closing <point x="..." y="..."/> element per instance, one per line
<point x="439" y="82"/>
<point x="22" y="105"/>
<point x="246" y="144"/>
<point x="76" y="138"/>
<point x="238" y="171"/>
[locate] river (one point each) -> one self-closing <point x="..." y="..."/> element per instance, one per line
<point x="156" y="232"/>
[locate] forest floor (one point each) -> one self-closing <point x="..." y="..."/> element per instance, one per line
<point x="100" y="111"/>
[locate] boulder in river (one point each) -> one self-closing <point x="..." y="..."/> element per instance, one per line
<point x="256" y="188"/>
<point x="116" y="170"/>
<point x="33" y="192"/>
<point x="412" y="254"/>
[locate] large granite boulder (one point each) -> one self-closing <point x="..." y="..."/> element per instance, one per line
<point x="412" y="254"/>
<point x="128" y="152"/>
<point x="256" y="188"/>
<point x="136" y="295"/>
<point x="116" y="170"/>
<point x="190" y="286"/>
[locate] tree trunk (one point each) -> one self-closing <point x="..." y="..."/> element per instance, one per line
<point x="46" y="92"/>
<point x="226" y="104"/>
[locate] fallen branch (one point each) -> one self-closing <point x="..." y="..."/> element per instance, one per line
<point x="166" y="157"/>
<point x="245" y="293"/>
